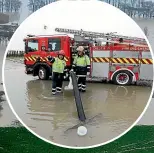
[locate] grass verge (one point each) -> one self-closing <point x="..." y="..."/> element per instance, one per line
<point x="18" y="140"/>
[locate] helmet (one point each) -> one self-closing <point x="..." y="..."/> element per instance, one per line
<point x="80" y="48"/>
<point x="61" y="52"/>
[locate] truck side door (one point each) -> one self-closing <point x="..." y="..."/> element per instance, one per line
<point x="32" y="50"/>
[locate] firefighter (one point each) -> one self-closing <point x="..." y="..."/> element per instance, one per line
<point x="58" y="67"/>
<point x="81" y="65"/>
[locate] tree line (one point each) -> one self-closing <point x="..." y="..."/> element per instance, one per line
<point x="10" y="6"/>
<point x="34" y="5"/>
<point x="134" y="8"/>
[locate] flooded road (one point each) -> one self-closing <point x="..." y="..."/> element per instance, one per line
<point x="6" y="115"/>
<point x="149" y="24"/>
<point x="2" y="51"/>
<point x="147" y="118"/>
<point x="115" y="108"/>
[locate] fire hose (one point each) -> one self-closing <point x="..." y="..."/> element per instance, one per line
<point x="78" y="101"/>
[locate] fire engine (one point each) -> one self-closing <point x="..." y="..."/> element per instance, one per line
<point x="120" y="59"/>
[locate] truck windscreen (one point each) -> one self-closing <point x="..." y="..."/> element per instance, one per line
<point x="32" y="46"/>
<point x="54" y="44"/>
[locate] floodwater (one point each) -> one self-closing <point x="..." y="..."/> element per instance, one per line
<point x="114" y="108"/>
<point x="6" y="115"/>
<point x="149" y="23"/>
<point x="147" y="119"/>
<point x="2" y="51"/>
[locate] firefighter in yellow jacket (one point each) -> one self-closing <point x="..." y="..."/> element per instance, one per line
<point x="81" y="65"/>
<point x="58" y="66"/>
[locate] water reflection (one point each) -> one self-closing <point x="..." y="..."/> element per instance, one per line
<point x="115" y="102"/>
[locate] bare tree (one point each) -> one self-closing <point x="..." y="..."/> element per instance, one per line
<point x="131" y="7"/>
<point x="2" y="6"/>
<point x="31" y="5"/>
<point x="34" y="5"/>
<point x="12" y="5"/>
<point x="42" y="3"/>
<point x="16" y="5"/>
<point x="7" y="4"/>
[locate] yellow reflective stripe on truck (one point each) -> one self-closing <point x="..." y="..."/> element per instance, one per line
<point x="121" y="60"/>
<point x="44" y="59"/>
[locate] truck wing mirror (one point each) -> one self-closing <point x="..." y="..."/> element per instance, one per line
<point x="26" y="50"/>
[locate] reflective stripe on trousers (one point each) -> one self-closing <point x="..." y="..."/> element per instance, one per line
<point x="53" y="91"/>
<point x="83" y="87"/>
<point x="58" y="89"/>
<point x="81" y="75"/>
<point x="79" y="86"/>
<point x="82" y="83"/>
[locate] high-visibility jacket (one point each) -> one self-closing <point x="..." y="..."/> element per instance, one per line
<point x="82" y="62"/>
<point x="58" y="65"/>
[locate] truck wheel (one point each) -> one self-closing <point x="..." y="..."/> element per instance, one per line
<point x="122" y="78"/>
<point x="43" y="74"/>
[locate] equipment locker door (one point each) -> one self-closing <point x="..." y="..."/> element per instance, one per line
<point x="100" y="62"/>
<point x="125" y="58"/>
<point x="146" y="70"/>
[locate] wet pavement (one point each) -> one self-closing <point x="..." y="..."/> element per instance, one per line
<point x="148" y="117"/>
<point x="6" y="115"/>
<point x="115" y="108"/>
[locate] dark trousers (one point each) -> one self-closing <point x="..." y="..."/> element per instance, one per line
<point x="82" y="84"/>
<point x="81" y="73"/>
<point x="57" y="82"/>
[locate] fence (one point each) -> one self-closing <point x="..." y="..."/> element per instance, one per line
<point x="15" y="53"/>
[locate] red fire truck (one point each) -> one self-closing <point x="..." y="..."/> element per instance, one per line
<point x="116" y="58"/>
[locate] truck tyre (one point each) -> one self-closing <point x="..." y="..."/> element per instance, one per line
<point x="43" y="73"/>
<point x="122" y="78"/>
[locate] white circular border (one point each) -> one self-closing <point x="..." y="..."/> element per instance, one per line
<point x="69" y="147"/>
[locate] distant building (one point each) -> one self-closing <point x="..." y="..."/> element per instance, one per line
<point x="9" y="17"/>
<point x="4" y="18"/>
<point x="14" y="17"/>
<point x="8" y="24"/>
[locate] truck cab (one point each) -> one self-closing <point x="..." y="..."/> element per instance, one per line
<point x="37" y="50"/>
